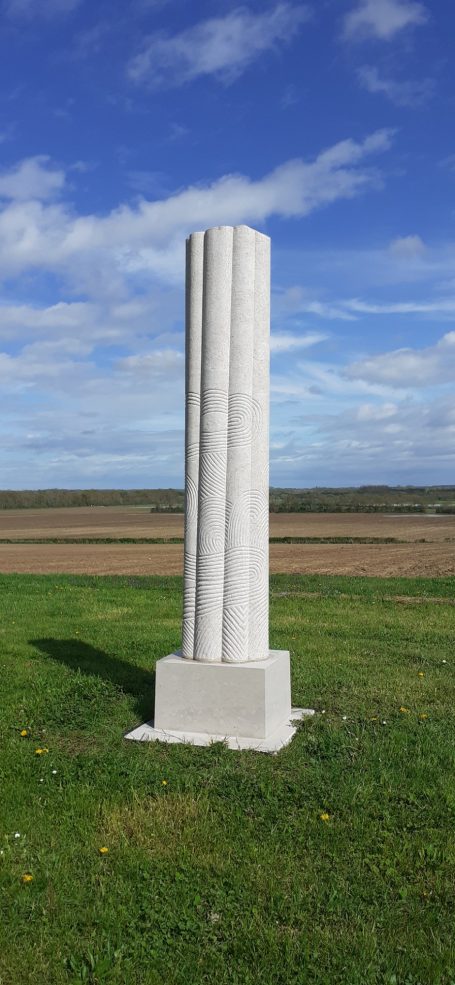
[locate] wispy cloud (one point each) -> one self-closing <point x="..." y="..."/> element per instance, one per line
<point x="286" y="342"/>
<point x="395" y="441"/>
<point x="223" y="47"/>
<point x="147" y="238"/>
<point x="409" y="367"/>
<point x="34" y="178"/>
<point x="408" y="246"/>
<point x="298" y="301"/>
<point x="382" y="19"/>
<point x="438" y="306"/>
<point x="400" y="92"/>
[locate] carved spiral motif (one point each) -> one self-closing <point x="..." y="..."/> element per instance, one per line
<point x="191" y="499"/>
<point x="226" y="516"/>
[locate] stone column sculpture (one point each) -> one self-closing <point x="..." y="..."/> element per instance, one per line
<point x="227" y="440"/>
<point x="225" y="683"/>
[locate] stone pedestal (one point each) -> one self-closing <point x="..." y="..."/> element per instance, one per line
<point x="226" y="684"/>
<point x="246" y="705"/>
<point x="250" y="699"/>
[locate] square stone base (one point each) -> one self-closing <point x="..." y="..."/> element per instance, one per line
<point x="246" y="705"/>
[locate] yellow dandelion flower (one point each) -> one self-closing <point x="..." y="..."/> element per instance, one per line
<point x="27" y="877"/>
<point x="24" y="732"/>
<point x="421" y="674"/>
<point x="324" y="816"/>
<point x="404" y="711"/>
<point x="41" y="752"/>
<point x="423" y="716"/>
<point x="103" y="850"/>
<point x="164" y="783"/>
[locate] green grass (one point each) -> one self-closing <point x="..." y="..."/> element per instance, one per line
<point x="227" y="875"/>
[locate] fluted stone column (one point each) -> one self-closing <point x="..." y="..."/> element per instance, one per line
<point x="227" y="436"/>
<point x="225" y="683"/>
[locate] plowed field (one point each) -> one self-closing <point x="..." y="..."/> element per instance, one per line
<point x="436" y="556"/>
<point x="383" y="560"/>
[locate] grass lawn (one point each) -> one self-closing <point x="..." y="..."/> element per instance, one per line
<point x="220" y="869"/>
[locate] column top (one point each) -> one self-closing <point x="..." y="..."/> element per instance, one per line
<point x="213" y="229"/>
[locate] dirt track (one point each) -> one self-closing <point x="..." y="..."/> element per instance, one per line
<point x="161" y="559"/>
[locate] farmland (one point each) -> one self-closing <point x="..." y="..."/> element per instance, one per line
<point x="133" y="540"/>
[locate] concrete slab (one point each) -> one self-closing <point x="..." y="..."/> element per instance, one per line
<point x="278" y="739"/>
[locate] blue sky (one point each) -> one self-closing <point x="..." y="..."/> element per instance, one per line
<point x="123" y="127"/>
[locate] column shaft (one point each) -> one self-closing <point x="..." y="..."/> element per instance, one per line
<point x="226" y="449"/>
<point x="238" y="479"/>
<point x="216" y="323"/>
<point x="259" y="501"/>
<point x="193" y="344"/>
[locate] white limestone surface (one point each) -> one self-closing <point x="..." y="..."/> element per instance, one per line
<point x="226" y="470"/>
<point x="193" y="342"/>
<point x="251" y="698"/>
<point x="280" y="738"/>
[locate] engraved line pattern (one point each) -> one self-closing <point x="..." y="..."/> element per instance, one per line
<point x="211" y="524"/>
<point x="193" y="335"/>
<point x="244" y="419"/>
<point x="226" y="594"/>
<point x="235" y="633"/>
<point x="191" y="498"/>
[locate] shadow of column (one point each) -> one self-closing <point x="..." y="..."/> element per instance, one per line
<point x="87" y="659"/>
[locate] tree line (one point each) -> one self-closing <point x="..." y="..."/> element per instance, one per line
<point x="362" y="499"/>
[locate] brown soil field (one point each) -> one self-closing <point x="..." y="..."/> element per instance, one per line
<point x="100" y="521"/>
<point x="129" y="522"/>
<point x="384" y="560"/>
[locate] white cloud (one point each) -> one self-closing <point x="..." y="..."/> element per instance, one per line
<point x="223" y="47"/>
<point x="296" y="300"/>
<point x="286" y="342"/>
<point x="439" y="306"/>
<point x="382" y="19"/>
<point x="325" y="380"/>
<point x="57" y="364"/>
<point x="86" y="422"/>
<point x="393" y="443"/>
<point x="131" y="323"/>
<point x="147" y="239"/>
<point x="39" y="8"/>
<point x="402" y="93"/>
<point x="17" y="321"/>
<point x="33" y="178"/>
<point x="407" y="247"/>
<point x="347" y="430"/>
<point x="409" y="367"/>
<point x="161" y="364"/>
<point x="375" y="412"/>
